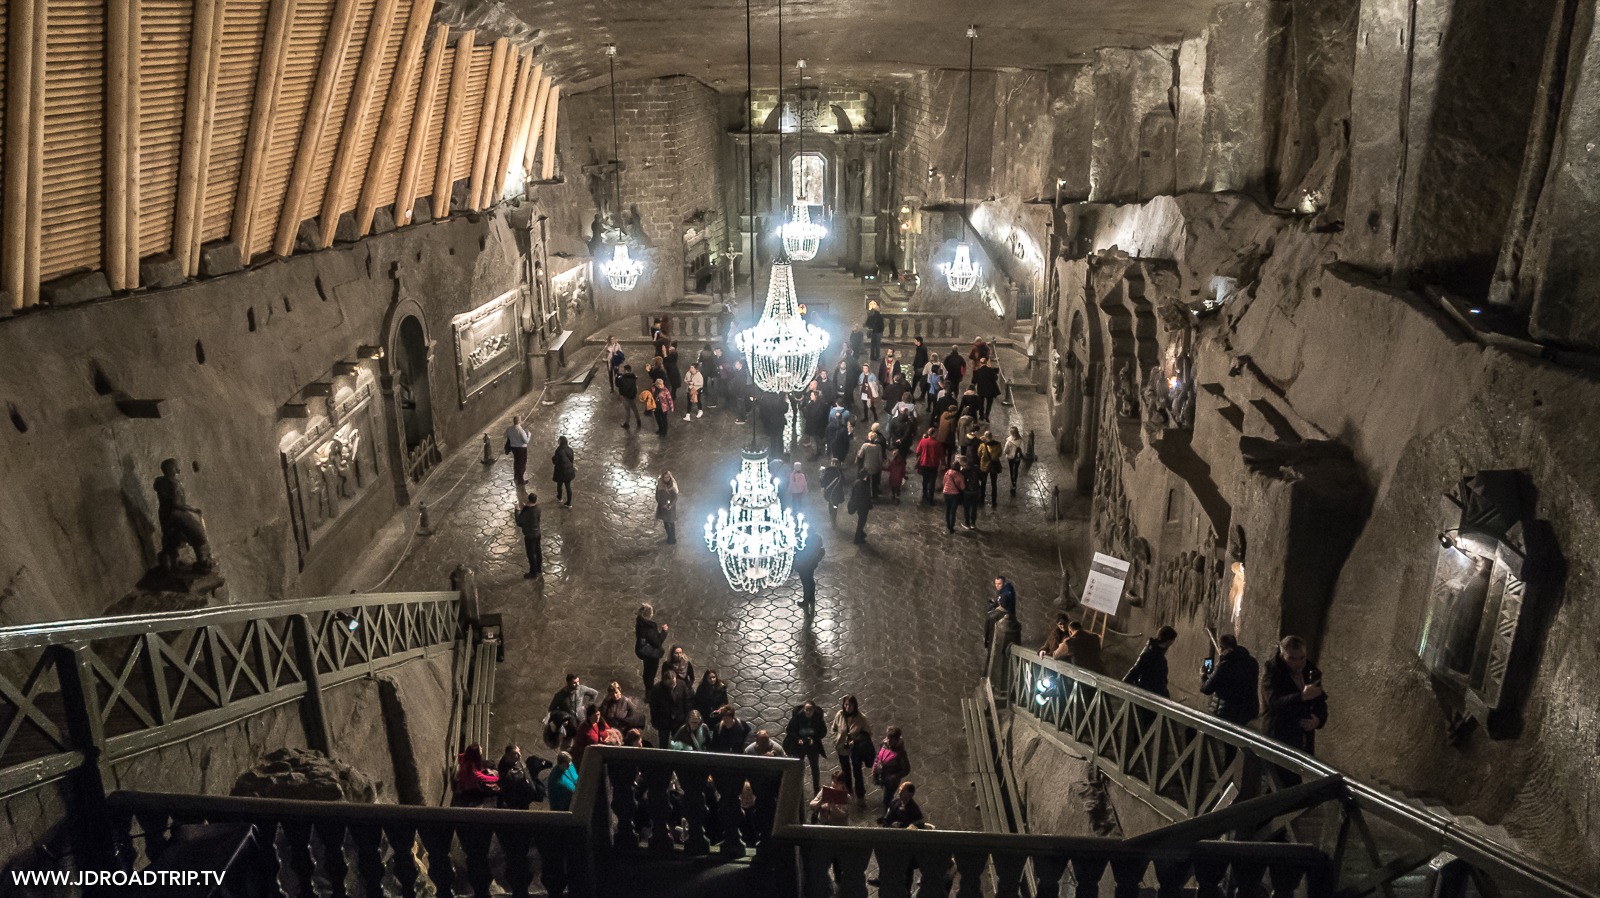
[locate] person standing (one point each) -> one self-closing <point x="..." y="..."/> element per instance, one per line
<point x="475" y="783"/>
<point x="989" y="450"/>
<point x="678" y="662"/>
<point x="517" y="444"/>
<point x="955" y="368"/>
<point x="1149" y="671"/>
<point x="892" y="765"/>
<point x="563" y="783"/>
<point x="874" y="326"/>
<point x="519" y="787"/>
<point x="1002" y="604"/>
<point x="955" y="483"/>
<point x="930" y="458"/>
<point x="613" y="357"/>
<point x="628" y="393"/>
<point x="832" y="479"/>
<point x="730" y="735"/>
<point x="1083" y="648"/>
<point x="1291" y="689"/>
<point x="674" y="373"/>
<point x="711" y="694"/>
<point x="861" y="504"/>
<point x="897" y="472"/>
<point x="566" y="710"/>
<point x="903" y="812"/>
<point x="649" y="643"/>
<point x="932" y="383"/>
<point x="815" y="414"/>
<point x="1233" y="682"/>
<point x="797" y="485"/>
<point x="564" y="470"/>
<point x="986" y="378"/>
<point x="867" y="391"/>
<point x="919" y="367"/>
<point x="972" y="494"/>
<point x="1012" y="453"/>
<point x="670" y="704"/>
<point x="663" y="406"/>
<point x="852" y="742"/>
<point x="805" y="567"/>
<point x="803" y="738"/>
<point x="694" y="400"/>
<point x="694" y="735"/>
<point x="707" y="361"/>
<point x="869" y="458"/>
<point x="667" y="505"/>
<point x="528" y="522"/>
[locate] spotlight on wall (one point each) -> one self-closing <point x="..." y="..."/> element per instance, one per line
<point x="1447" y="541"/>
<point x="347" y="620"/>
<point x="320" y="388"/>
<point x="367" y="351"/>
<point x="346" y="368"/>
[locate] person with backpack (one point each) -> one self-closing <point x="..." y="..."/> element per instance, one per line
<point x="628" y="393"/>
<point x="520" y="785"/>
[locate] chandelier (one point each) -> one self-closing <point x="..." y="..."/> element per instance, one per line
<point x="962" y="274"/>
<point x="755" y="538"/>
<point x="783" y="349"/>
<point x="801" y="236"/>
<point x="623" y="271"/>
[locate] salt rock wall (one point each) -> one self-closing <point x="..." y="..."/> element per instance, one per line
<point x="78" y="527"/>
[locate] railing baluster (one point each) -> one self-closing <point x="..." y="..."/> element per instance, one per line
<point x="441" y="868"/>
<point x="1047" y="873"/>
<point x="1088" y="871"/>
<point x="624" y="803"/>
<point x="729" y="785"/>
<point x="1247" y="880"/>
<point x="937" y="872"/>
<point x="696" y="809"/>
<point x="764" y="812"/>
<point x="894" y="873"/>
<point x="519" y="873"/>
<point x="554" y="874"/>
<point x="1129" y="876"/>
<point x="850" y="869"/>
<point x="336" y="868"/>
<point x="475" y="845"/>
<point x="970" y="865"/>
<point x="1171" y="877"/>
<point x="1285" y="879"/>
<point x="658" y="802"/>
<point x="816" y="864"/>
<point x="1208" y="875"/>
<point x="403" y="848"/>
<point x="297" y="838"/>
<point x="369" y="859"/>
<point x="1008" y="868"/>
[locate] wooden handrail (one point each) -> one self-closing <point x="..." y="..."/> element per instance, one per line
<point x="280" y="810"/>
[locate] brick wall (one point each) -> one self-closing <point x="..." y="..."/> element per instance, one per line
<point x="913" y="138"/>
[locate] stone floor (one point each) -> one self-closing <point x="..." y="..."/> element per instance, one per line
<point x="899" y="620"/>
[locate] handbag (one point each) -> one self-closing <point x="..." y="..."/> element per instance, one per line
<point x="647" y="652"/>
<point x="508" y="447"/>
<point x="862" y="748"/>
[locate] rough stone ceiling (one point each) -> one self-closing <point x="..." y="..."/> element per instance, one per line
<point x="854" y="40"/>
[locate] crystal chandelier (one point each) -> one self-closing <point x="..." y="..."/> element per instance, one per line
<point x="755" y="538"/>
<point x="801" y="236"/>
<point x="623" y="271"/>
<point x="783" y="349"/>
<point x="963" y="273"/>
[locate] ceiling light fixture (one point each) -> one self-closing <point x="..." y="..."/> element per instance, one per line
<point x="802" y="237"/>
<point x="623" y="271"/>
<point x="962" y="274"/>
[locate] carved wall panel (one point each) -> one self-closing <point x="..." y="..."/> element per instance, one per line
<point x="488" y="343"/>
<point x="330" y="469"/>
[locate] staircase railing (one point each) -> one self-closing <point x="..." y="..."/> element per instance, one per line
<point x="1194" y="767"/>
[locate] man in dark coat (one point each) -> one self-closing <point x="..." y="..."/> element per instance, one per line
<point x="1002" y="604"/>
<point x="955" y="368"/>
<point x="986" y="380"/>
<point x="1233" y="682"/>
<point x="1291" y="690"/>
<point x="1149" y="672"/>
<point x="730" y="735"/>
<point x="805" y="567"/>
<point x="919" y="361"/>
<point x="861" y="503"/>
<point x="628" y="392"/>
<point x="528" y="523"/>
<point x="671" y="700"/>
<point x="567" y="708"/>
<point x="874" y="325"/>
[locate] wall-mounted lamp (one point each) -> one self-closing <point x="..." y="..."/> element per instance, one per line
<point x="367" y="351"/>
<point x="320" y="388"/>
<point x="1447" y="541"/>
<point x="347" y="368"/>
<point x="347" y="620"/>
<point x="293" y="410"/>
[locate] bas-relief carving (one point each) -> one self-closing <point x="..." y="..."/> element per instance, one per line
<point x="488" y="343"/>
<point x="331" y="468"/>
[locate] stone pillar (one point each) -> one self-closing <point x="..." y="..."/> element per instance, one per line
<point x="1243" y="58"/>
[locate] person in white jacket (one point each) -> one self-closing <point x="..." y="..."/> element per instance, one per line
<point x="695" y="383"/>
<point x="1012" y="453"/>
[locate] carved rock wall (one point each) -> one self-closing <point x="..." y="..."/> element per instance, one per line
<point x="78" y="527"/>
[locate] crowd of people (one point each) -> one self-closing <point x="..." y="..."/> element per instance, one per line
<point x="683" y="712"/>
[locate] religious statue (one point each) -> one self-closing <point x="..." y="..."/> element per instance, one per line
<point x="1154" y="397"/>
<point x="181" y="523"/>
<point x="1125" y="393"/>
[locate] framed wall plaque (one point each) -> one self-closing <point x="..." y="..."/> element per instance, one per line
<point x="488" y="343"/>
<point x="330" y="469"/>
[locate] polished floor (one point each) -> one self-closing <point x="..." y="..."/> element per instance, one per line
<point x="899" y="620"/>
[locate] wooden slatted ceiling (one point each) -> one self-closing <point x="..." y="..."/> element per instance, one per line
<point x="389" y="182"/>
<point x="5" y="74"/>
<point x="244" y="27"/>
<point x="331" y="132"/>
<point x="430" y="150"/>
<point x="74" y="150"/>
<point x="306" y="36"/>
<point x="163" y="70"/>
<point x="369" y="126"/>
<point x="471" y="113"/>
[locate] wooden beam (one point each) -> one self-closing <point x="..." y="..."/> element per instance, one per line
<point x="494" y="178"/>
<point x="131" y="249"/>
<point x="541" y="105"/>
<point x="119" y="41"/>
<point x="452" y="124"/>
<point x="524" y="118"/>
<point x="422" y="127"/>
<point x="263" y="114"/>
<point x="205" y="51"/>
<point x="34" y="223"/>
<point x="355" y="117"/>
<point x="507" y="132"/>
<point x="403" y="80"/>
<point x="548" y="167"/>
<point x="340" y="30"/>
<point x="22" y="69"/>
<point x="485" y="135"/>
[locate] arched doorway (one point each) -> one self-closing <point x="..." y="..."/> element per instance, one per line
<point x="414" y="395"/>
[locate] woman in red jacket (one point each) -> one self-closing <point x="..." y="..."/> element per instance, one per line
<point x="592" y="732"/>
<point x="475" y="783"/>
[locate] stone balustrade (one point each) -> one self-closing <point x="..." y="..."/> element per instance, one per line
<point x="688" y="324"/>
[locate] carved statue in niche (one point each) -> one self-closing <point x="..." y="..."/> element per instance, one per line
<point x="1138" y="589"/>
<point x="852" y="186"/>
<point x="181" y="523"/>
<point x="1154" y="399"/>
<point x="763" y="185"/>
<point x="1125" y="393"/>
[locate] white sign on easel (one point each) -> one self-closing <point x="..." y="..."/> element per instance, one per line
<point x="1103" y="592"/>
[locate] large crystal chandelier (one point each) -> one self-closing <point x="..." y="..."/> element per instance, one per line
<point x="623" y="271"/>
<point x="801" y="236"/>
<point x="962" y="274"/>
<point x="783" y="349"/>
<point x="755" y="538"/>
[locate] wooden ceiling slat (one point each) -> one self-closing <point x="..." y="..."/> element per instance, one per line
<point x="428" y="174"/>
<point x="327" y="148"/>
<point x="448" y="148"/>
<point x="471" y="114"/>
<point x="341" y="30"/>
<point x="524" y="120"/>
<point x="424" y="123"/>
<point x="242" y="37"/>
<point x="74" y="114"/>
<point x="365" y="148"/>
<point x="483" y="134"/>
<point x="355" y="117"/>
<point x="541" y="105"/>
<point x="205" y="46"/>
<point x="308" y="29"/>
<point x="164" y="28"/>
<point x="382" y="174"/>
<point x="547" y="166"/>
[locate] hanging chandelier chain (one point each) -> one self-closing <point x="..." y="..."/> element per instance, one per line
<point x="966" y="141"/>
<point x="616" y="143"/>
<point x="750" y="149"/>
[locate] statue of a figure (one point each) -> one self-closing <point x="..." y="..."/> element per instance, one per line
<point x="1154" y="397"/>
<point x="181" y="523"/>
<point x="597" y="236"/>
<point x="1125" y="393"/>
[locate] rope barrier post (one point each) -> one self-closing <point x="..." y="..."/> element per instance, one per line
<point x="488" y="453"/>
<point x="424" y="526"/>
